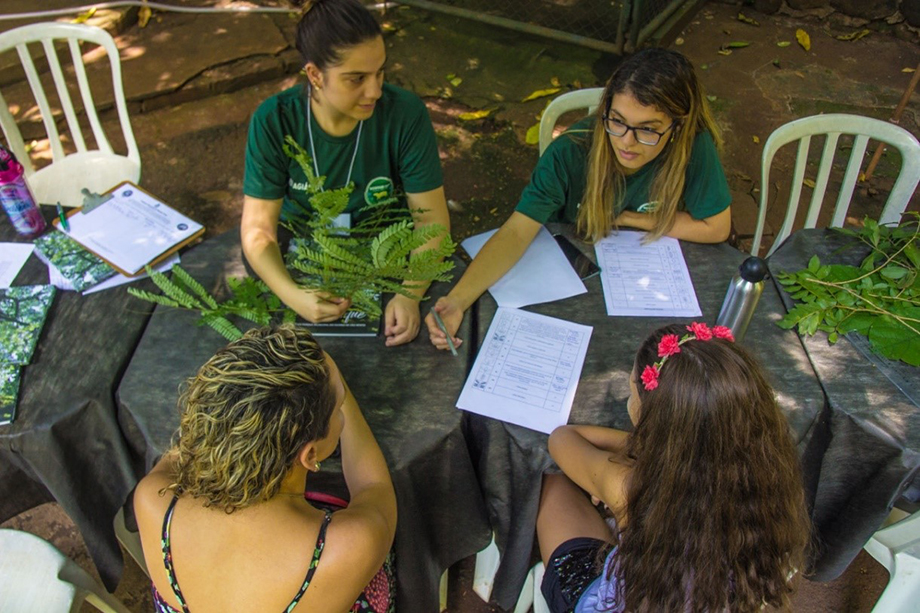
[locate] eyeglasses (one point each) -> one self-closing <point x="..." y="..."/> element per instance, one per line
<point x="646" y="136"/>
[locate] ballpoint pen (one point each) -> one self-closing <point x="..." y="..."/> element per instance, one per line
<point x="64" y="223"/>
<point x="440" y="322"/>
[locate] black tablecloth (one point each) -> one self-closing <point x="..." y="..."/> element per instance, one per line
<point x="511" y="460"/>
<point x="407" y="394"/>
<point x="65" y="443"/>
<point x="869" y="443"/>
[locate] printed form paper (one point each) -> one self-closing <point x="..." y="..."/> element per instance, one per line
<point x="131" y="229"/>
<point x="649" y="280"/>
<point x="543" y="274"/>
<point x="13" y="257"/>
<point x="527" y="370"/>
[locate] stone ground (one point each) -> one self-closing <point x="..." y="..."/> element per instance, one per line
<point x="193" y="81"/>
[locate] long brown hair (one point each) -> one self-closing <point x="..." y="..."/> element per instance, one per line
<point x="716" y="508"/>
<point x="665" y="80"/>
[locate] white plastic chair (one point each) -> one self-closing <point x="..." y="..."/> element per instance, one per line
<point x="35" y="576"/>
<point x="833" y="125"/>
<point x="897" y="548"/>
<point x="587" y="99"/>
<point x="96" y="169"/>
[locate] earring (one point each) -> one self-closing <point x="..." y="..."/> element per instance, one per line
<point x="316" y="466"/>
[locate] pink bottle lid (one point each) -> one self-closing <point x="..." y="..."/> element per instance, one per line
<point x="12" y="173"/>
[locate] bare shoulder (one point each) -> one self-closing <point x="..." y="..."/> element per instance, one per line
<point x="357" y="542"/>
<point x="151" y="498"/>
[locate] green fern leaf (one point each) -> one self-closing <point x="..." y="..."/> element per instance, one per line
<point x="182" y="276"/>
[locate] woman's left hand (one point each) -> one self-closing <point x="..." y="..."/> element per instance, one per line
<point x="401" y="320"/>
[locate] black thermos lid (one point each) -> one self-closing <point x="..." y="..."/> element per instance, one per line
<point x="753" y="270"/>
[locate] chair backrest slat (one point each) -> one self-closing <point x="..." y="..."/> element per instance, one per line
<point x="824" y="173"/>
<point x="57" y="151"/>
<point x="13" y="136"/>
<point x="849" y="181"/>
<point x="86" y="93"/>
<point x="73" y="126"/>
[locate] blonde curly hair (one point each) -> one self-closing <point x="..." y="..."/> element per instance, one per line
<point x="246" y="415"/>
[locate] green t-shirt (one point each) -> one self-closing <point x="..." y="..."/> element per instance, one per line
<point x="397" y="152"/>
<point x="557" y="184"/>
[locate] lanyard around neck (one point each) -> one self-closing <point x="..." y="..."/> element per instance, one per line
<point x="313" y="148"/>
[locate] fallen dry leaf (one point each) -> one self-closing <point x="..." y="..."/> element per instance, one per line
<point x="474" y="115"/>
<point x="742" y="17"/>
<point x="540" y="93"/>
<point x="854" y="35"/>
<point x="82" y="17"/>
<point x="803" y="38"/>
<point x="724" y="51"/>
<point x="783" y="43"/>
<point x="554" y="82"/>
<point x="809" y="183"/>
<point x="143" y="16"/>
<point x="756" y="139"/>
<point x="533" y="135"/>
<point x="908" y="69"/>
<point x="678" y="41"/>
<point x="799" y="74"/>
<point x="737" y="45"/>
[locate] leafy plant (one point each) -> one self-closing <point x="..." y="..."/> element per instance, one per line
<point x="380" y="253"/>
<point x="879" y="299"/>
<point x="251" y="299"/>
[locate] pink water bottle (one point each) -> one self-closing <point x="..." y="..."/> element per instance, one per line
<point x="16" y="197"/>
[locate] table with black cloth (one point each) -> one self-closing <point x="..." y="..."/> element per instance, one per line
<point x="868" y="441"/>
<point x="407" y="395"/>
<point x="65" y="443"/>
<point x="511" y="460"/>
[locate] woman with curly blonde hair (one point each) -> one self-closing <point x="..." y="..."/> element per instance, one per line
<point x="223" y="512"/>
<point x="647" y="159"/>
<point x="706" y="491"/>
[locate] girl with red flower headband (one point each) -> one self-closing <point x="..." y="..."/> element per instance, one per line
<point x="706" y="491"/>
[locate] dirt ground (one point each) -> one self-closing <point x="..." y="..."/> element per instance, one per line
<point x="192" y="136"/>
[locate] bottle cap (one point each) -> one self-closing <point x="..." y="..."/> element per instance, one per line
<point x="753" y="270"/>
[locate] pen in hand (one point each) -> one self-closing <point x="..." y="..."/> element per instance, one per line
<point x="440" y="322"/>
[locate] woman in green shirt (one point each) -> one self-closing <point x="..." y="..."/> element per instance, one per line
<point x="356" y="129"/>
<point x="648" y="159"/>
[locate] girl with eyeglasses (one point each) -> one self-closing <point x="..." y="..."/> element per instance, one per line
<point x="647" y="159"/>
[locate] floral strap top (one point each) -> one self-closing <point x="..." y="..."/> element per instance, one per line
<point x="161" y="606"/>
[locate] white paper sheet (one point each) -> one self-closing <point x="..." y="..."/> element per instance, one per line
<point x="543" y="274"/>
<point x="131" y="229"/>
<point x="13" y="257"/>
<point x="645" y="280"/>
<point x="59" y="281"/>
<point x="527" y="370"/>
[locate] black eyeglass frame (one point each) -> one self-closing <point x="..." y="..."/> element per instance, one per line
<point x="635" y="130"/>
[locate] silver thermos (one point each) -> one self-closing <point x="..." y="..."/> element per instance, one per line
<point x="742" y="296"/>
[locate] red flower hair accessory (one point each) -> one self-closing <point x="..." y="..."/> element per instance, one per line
<point x="670" y="345"/>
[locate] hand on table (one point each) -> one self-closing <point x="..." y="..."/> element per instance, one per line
<point x="319" y="307"/>
<point x="452" y="316"/>
<point x="401" y="320"/>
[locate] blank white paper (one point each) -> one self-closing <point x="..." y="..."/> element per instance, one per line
<point x="527" y="370"/>
<point x="649" y="280"/>
<point x="543" y="274"/>
<point x="13" y="257"/>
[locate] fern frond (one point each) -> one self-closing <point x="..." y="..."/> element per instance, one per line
<point x="155" y="298"/>
<point x="223" y="326"/>
<point x="174" y="291"/>
<point x="186" y="279"/>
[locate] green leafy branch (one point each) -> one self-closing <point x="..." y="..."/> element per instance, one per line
<point x="250" y="299"/>
<point x="879" y="299"/>
<point x="382" y="253"/>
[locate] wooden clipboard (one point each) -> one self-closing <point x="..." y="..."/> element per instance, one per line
<point x="157" y="258"/>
